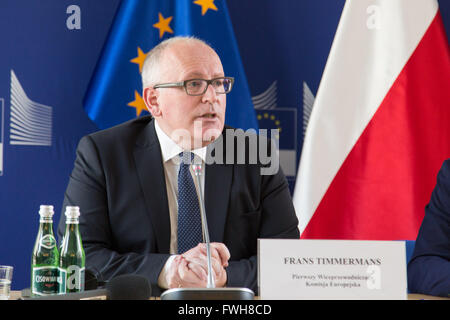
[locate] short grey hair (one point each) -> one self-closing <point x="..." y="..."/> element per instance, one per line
<point x="151" y="69"/>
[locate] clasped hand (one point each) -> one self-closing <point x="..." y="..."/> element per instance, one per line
<point x="190" y="269"/>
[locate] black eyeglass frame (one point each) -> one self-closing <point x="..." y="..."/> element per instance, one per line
<point x="183" y="84"/>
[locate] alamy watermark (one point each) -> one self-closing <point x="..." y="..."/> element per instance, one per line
<point x="234" y="146"/>
<point x="73" y="21"/>
<point x="374" y="19"/>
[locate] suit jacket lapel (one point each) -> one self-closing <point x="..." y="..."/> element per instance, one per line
<point x="217" y="193"/>
<point x="148" y="159"/>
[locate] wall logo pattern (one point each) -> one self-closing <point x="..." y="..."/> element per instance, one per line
<point x="271" y="116"/>
<point x="2" y="117"/>
<point x="31" y="122"/>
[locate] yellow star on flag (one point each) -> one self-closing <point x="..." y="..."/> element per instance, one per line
<point x="138" y="103"/>
<point x="163" y="25"/>
<point x="206" y="4"/>
<point x="139" y="59"/>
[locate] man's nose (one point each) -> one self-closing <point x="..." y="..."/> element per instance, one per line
<point x="210" y="95"/>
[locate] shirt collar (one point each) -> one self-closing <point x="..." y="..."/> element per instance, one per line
<point x="169" y="149"/>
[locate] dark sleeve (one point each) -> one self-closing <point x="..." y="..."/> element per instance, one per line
<point x="87" y="189"/>
<point x="278" y="220"/>
<point x="429" y="267"/>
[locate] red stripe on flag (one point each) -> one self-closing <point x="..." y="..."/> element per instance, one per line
<point x="381" y="190"/>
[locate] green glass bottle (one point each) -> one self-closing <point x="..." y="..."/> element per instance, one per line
<point x="45" y="276"/>
<point x="72" y="259"/>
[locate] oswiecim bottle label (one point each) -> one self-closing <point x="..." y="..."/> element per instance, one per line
<point x="46" y="280"/>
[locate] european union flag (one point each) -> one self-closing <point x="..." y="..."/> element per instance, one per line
<point x="114" y="94"/>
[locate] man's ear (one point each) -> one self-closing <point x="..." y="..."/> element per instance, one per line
<point x="150" y="96"/>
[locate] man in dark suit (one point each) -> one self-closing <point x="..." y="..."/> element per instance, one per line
<point x="124" y="181"/>
<point x="429" y="267"/>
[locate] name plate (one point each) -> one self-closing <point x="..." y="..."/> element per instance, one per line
<point x="331" y="269"/>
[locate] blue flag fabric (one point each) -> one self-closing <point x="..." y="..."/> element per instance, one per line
<point x="114" y="93"/>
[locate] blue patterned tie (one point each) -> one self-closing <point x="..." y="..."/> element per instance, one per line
<point x="189" y="219"/>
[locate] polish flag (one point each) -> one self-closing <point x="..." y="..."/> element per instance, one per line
<point x="380" y="126"/>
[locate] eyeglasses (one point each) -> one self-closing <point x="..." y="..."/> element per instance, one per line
<point x="197" y="87"/>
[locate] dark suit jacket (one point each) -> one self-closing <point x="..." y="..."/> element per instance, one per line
<point x="118" y="183"/>
<point x="429" y="267"/>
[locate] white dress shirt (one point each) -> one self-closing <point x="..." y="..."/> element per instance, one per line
<point x="170" y="156"/>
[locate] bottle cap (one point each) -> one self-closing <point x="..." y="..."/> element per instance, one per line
<point x="46" y="211"/>
<point x="72" y="212"/>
